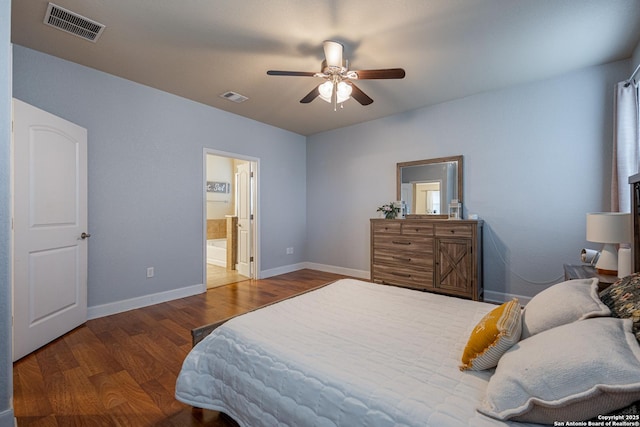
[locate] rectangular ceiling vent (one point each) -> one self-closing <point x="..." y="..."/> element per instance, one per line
<point x="235" y="97"/>
<point x="72" y="23"/>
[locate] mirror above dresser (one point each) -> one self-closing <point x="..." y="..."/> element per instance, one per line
<point x="428" y="186"/>
<point x="429" y="251"/>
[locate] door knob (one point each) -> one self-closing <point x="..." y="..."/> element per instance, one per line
<point x="85" y="235"/>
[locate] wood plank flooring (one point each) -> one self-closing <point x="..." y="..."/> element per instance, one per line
<point x="121" y="370"/>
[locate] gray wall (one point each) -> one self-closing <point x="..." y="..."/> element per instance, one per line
<point x="536" y="159"/>
<point x="145" y="154"/>
<point x="6" y="382"/>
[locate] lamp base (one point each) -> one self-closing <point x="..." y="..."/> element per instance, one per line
<point x="608" y="261"/>
<point x="607" y="272"/>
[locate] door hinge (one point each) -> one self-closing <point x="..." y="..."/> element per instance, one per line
<point x="251" y="174"/>
<point x="250" y="259"/>
<point x="251" y="217"/>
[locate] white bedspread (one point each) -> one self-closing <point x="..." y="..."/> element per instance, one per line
<point x="349" y="354"/>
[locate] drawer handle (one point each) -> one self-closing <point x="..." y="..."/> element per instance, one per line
<point x="400" y="274"/>
<point x="395" y="242"/>
<point x="399" y="258"/>
<point x="453" y="231"/>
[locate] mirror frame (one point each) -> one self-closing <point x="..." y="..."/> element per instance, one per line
<point x="399" y="167"/>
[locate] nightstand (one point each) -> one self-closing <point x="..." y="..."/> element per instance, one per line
<point x="582" y="271"/>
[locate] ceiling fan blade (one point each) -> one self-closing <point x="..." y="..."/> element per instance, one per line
<point x="359" y="95"/>
<point x="388" y="73"/>
<point x="291" y="73"/>
<point x="311" y="96"/>
<point x="333" y="53"/>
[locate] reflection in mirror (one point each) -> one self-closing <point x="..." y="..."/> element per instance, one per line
<point x="425" y="197"/>
<point x="428" y="186"/>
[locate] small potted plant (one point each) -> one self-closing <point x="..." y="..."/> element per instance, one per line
<point x="389" y="210"/>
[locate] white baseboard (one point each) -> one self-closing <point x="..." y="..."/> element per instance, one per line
<point x="500" y="297"/>
<point x="281" y="270"/>
<point x="360" y="274"/>
<point x="143" y="301"/>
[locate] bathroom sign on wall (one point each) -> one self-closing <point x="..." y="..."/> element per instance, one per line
<point x="218" y="187"/>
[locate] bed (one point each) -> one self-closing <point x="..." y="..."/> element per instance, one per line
<point x="354" y="353"/>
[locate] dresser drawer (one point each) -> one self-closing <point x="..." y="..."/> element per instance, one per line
<point x="411" y="228"/>
<point x="403" y="259"/>
<point x="387" y="227"/>
<point x="403" y="277"/>
<point x="403" y="243"/>
<point x="451" y="229"/>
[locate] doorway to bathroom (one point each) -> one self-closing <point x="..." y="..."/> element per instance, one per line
<point x="230" y="226"/>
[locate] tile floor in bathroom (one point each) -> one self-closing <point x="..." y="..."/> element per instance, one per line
<point x="219" y="276"/>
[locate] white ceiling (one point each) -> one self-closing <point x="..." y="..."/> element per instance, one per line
<point x="450" y="49"/>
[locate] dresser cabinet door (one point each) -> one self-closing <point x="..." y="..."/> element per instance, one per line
<point x="453" y="269"/>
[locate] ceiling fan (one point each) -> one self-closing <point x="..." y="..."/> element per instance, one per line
<point x="339" y="85"/>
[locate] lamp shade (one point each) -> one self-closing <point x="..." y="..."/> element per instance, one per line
<point x="609" y="227"/>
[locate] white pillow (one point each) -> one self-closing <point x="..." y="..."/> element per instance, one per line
<point x="573" y="372"/>
<point x="562" y="303"/>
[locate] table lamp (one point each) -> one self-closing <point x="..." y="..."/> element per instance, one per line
<point x="610" y="228"/>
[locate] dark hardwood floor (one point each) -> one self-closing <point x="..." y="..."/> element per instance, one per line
<point x="121" y="370"/>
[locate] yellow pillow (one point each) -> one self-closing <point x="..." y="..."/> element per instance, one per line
<point x="496" y="333"/>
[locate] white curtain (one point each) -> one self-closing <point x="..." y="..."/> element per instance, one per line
<point x="626" y="145"/>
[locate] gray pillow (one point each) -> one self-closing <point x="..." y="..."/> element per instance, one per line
<point x="572" y="372"/>
<point x="562" y="303"/>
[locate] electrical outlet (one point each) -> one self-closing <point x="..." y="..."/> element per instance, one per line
<point x="150" y="272"/>
<point x="289" y="251"/>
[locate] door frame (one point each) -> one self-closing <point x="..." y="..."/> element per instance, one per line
<point x="255" y="243"/>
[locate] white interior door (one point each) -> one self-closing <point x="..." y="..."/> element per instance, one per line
<point x="49" y="227"/>
<point x="243" y="185"/>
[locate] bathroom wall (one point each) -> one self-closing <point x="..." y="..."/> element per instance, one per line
<point x="220" y="169"/>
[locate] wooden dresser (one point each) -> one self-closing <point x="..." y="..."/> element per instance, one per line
<point x="435" y="255"/>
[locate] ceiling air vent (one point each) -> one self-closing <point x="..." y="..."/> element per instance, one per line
<point x="72" y="23"/>
<point x="235" y="97"/>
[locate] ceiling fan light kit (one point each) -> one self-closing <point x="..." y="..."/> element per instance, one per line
<point x="342" y="94"/>
<point x="339" y="86"/>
